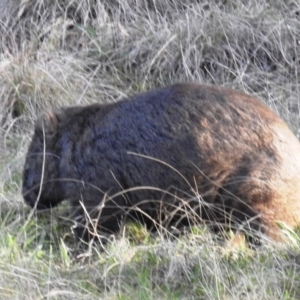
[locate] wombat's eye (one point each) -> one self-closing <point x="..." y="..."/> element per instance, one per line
<point x="26" y="173"/>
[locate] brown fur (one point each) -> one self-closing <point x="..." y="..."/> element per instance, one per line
<point x="203" y="152"/>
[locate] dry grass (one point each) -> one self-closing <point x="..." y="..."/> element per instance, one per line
<point x="56" y="53"/>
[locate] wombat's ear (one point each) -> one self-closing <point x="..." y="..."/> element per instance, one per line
<point x="48" y="122"/>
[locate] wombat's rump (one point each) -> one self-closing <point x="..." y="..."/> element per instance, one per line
<point x="175" y="155"/>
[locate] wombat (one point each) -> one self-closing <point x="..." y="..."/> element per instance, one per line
<point x="173" y="156"/>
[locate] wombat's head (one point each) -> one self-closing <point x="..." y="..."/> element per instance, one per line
<point x="40" y="184"/>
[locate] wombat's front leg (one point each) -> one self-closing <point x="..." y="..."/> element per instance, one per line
<point x="98" y="223"/>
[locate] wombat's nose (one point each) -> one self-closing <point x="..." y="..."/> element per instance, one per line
<point x="30" y="198"/>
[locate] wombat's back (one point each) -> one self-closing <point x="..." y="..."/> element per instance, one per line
<point x="177" y="143"/>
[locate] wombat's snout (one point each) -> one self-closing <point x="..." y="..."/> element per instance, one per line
<point x="29" y="191"/>
<point x="31" y="197"/>
<point x="31" y="186"/>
